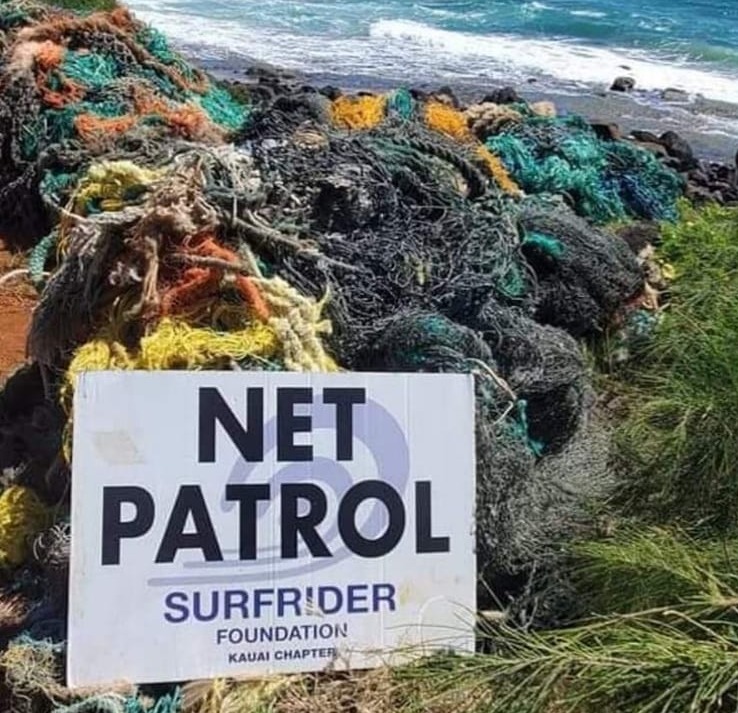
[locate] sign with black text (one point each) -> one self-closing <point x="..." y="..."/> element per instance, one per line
<point x="227" y="524"/>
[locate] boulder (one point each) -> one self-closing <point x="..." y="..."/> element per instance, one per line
<point x="640" y="234"/>
<point x="623" y="84"/>
<point x="331" y="92"/>
<point x="678" y="148"/>
<point x="675" y="164"/>
<point x="607" y="131"/>
<point x="267" y="71"/>
<point x="447" y="96"/>
<point x="506" y="95"/>
<point x="674" y="95"/>
<point x="544" y="108"/>
<point x="647" y="136"/>
<point x="699" y="193"/>
<point x="653" y="147"/>
<point x="699" y="177"/>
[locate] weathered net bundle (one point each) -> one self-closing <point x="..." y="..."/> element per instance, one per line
<point x="582" y="275"/>
<point x="369" y="233"/>
<point x="601" y="179"/>
<point x="79" y="86"/>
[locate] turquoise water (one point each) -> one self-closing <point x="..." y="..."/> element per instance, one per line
<point x="564" y="44"/>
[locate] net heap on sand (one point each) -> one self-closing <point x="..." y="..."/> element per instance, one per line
<point x="185" y="230"/>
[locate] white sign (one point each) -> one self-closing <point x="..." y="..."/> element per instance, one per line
<point x="228" y="524"/>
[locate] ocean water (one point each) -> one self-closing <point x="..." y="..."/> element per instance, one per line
<point x="564" y="45"/>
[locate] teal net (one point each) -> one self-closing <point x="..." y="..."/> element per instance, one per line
<point x="602" y="180"/>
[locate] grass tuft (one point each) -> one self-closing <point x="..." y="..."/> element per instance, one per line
<point x="679" y="446"/>
<point x="84" y="6"/>
<point x="656" y="660"/>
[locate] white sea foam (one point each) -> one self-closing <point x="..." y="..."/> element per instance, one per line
<point x="412" y="51"/>
<point x="588" y="13"/>
<point x="559" y="59"/>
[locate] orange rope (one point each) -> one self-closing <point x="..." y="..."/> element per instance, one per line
<point x="93" y="128"/>
<point x="194" y="284"/>
<point x="49" y="55"/>
<point x="197" y="283"/>
<point x="189" y="121"/>
<point x="71" y="93"/>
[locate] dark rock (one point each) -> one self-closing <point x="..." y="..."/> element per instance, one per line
<point x="677" y="147"/>
<point x="446" y="95"/>
<point x="721" y="186"/>
<point x="331" y="92"/>
<point x="674" y="95"/>
<point x="699" y="193"/>
<point x="655" y="148"/>
<point x="673" y="163"/>
<point x="625" y="67"/>
<point x="262" y="93"/>
<point x="699" y="177"/>
<point x="531" y="80"/>
<point x="646" y="136"/>
<point x="723" y="172"/>
<point x="623" y="84"/>
<point x="263" y="69"/>
<point x="639" y="235"/>
<point x="607" y="131"/>
<point x="506" y="95"/>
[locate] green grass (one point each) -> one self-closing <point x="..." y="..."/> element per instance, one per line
<point x="678" y="448"/>
<point x="84" y="5"/>
<point x="642" y="569"/>
<point x="680" y="657"/>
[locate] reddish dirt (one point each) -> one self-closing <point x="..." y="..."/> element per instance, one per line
<point x="16" y="302"/>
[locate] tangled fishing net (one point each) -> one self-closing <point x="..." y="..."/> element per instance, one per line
<point x="184" y="230"/>
<point x="602" y="180"/>
<point x="77" y="87"/>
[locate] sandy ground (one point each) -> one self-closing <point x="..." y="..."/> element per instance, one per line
<point x="16" y="302"/>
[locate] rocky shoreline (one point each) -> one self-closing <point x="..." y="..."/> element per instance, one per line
<point x="706" y="179"/>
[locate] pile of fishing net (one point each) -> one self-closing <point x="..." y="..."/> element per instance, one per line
<point x="79" y="86"/>
<point x="365" y="233"/>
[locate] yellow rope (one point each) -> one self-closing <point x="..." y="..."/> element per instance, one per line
<point x="110" y="183"/>
<point x="290" y="336"/>
<point x="497" y="170"/>
<point x="298" y="324"/>
<point x="358" y="112"/>
<point x="454" y="124"/>
<point x="448" y="121"/>
<point x="172" y="345"/>
<point x="22" y="516"/>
